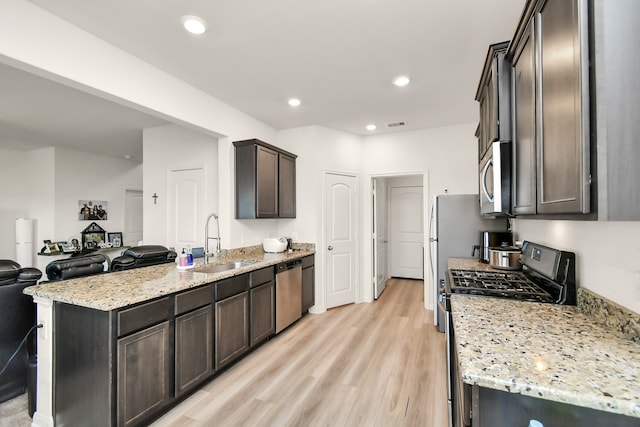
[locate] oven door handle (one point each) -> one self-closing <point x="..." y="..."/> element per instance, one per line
<point x="483" y="180"/>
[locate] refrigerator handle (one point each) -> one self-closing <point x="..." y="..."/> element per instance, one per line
<point x="431" y="238"/>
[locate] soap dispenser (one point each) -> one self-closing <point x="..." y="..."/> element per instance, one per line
<point x="183" y="259"/>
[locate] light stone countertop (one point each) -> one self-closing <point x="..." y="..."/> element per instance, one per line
<point x="117" y="289"/>
<point x="547" y="351"/>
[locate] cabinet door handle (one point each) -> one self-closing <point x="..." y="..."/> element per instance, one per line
<point x="330" y="248"/>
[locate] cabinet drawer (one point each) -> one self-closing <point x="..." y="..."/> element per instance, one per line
<point x="141" y="316"/>
<point x="261" y="276"/>
<point x="229" y="287"/>
<point x="308" y="261"/>
<point x="190" y="300"/>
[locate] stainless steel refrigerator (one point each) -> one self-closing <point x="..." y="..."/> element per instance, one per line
<point x="455" y="226"/>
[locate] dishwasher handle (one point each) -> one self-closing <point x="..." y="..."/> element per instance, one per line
<point x="288" y="265"/>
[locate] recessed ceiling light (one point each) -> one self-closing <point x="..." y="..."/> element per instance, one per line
<point x="371" y="127"/>
<point x="194" y="24"/>
<point x="401" y="81"/>
<point x="294" y="102"/>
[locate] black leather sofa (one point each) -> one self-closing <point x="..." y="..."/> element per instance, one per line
<point x="142" y="256"/>
<point x="17" y="316"/>
<point x="70" y="268"/>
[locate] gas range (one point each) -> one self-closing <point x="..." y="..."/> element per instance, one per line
<point x="548" y="275"/>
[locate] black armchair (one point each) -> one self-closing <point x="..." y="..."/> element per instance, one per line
<point x="17" y="316"/>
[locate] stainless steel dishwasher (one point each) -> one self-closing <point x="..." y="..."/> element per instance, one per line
<point x="288" y="293"/>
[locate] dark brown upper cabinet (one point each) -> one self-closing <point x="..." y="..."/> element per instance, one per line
<point x="550" y="98"/>
<point x="265" y="181"/>
<point x="494" y="97"/>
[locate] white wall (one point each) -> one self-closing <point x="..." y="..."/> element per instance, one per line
<point x="14" y="198"/>
<point x="173" y="147"/>
<point x="607" y="254"/>
<point x="87" y="176"/>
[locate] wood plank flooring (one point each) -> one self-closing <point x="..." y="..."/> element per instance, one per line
<point x="378" y="364"/>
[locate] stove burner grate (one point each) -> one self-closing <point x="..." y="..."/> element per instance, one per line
<point x="514" y="285"/>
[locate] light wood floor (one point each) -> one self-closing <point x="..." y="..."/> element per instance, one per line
<point x="378" y="364"/>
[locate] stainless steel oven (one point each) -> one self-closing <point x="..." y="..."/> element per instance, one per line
<point x="495" y="179"/>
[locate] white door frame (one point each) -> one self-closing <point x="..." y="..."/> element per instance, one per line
<point x="428" y="285"/>
<point x="324" y="234"/>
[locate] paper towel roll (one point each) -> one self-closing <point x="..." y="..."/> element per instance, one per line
<point x="24" y="254"/>
<point x="24" y="230"/>
<point x="24" y="242"/>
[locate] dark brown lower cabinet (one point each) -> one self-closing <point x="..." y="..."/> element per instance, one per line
<point x="144" y="373"/>
<point x="232" y="328"/>
<point x="125" y="367"/>
<point x="263" y="316"/>
<point x="193" y="349"/>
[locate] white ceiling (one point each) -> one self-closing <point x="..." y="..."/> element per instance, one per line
<point x="337" y="56"/>
<point x="36" y="112"/>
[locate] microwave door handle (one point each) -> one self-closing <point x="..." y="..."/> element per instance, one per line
<point x="483" y="180"/>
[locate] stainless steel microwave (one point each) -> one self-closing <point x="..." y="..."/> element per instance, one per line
<point x="495" y="179"/>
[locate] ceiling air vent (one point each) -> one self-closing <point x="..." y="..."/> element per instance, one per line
<point x="396" y="124"/>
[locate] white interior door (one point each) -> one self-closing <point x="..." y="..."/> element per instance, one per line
<point x="185" y="215"/>
<point x="407" y="232"/>
<point x="132" y="218"/>
<point x="341" y="238"/>
<point x="380" y="236"/>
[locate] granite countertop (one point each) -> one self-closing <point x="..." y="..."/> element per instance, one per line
<point x="548" y="351"/>
<point x="470" y="264"/>
<point x="119" y="289"/>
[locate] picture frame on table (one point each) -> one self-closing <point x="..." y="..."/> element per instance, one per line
<point x="92" y="240"/>
<point x="74" y="243"/>
<point x="92" y="236"/>
<point x="115" y="239"/>
<point x="51" y="247"/>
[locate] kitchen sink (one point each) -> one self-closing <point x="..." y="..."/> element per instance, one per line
<point x="218" y="268"/>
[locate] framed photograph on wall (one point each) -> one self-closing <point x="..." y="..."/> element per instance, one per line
<point x="93" y="210"/>
<point x="115" y="239"/>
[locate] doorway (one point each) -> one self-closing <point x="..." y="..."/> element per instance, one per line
<point x="133" y="217"/>
<point x="186" y="208"/>
<point x="398" y="232"/>
<point x="407" y="232"/>
<point x="341" y="225"/>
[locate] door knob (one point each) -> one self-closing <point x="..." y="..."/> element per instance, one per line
<point x="330" y="248"/>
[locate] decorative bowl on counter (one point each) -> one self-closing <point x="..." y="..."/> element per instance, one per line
<point x="274" y="244"/>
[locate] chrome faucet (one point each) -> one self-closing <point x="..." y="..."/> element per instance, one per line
<point x="207" y="254"/>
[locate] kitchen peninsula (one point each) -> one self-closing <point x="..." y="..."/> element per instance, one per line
<point x="120" y="348"/>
